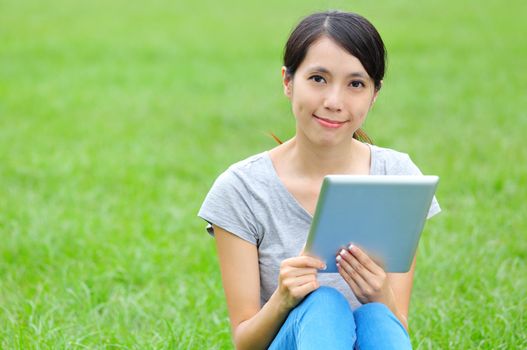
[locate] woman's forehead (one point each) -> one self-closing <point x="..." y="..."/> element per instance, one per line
<point x="326" y="56"/>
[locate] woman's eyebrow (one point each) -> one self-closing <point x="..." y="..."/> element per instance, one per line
<point x="321" y="69"/>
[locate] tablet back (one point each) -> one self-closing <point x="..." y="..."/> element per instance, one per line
<point x="382" y="214"/>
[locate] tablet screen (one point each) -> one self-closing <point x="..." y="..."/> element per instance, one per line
<point x="382" y="214"/>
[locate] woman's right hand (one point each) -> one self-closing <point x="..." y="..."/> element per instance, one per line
<point x="297" y="278"/>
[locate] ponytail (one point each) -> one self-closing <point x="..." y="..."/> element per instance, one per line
<point x="362" y="136"/>
<point x="275" y="137"/>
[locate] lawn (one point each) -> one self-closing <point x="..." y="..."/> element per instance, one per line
<point x="117" y="116"/>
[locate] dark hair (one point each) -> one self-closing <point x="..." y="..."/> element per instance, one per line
<point x="352" y="32"/>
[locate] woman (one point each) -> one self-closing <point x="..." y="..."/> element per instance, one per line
<point x="260" y="209"/>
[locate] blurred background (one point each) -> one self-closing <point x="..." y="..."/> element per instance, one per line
<point x="117" y="116"/>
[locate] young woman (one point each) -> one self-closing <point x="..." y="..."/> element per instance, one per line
<point x="260" y="209"/>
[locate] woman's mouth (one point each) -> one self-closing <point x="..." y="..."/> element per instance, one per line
<point x="329" y="123"/>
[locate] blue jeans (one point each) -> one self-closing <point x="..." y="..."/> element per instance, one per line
<point x="324" y="320"/>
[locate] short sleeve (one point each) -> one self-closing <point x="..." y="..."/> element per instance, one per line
<point x="407" y="167"/>
<point x="229" y="205"/>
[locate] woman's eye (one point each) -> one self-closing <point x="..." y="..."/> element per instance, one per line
<point x="357" y="84"/>
<point x="317" y="79"/>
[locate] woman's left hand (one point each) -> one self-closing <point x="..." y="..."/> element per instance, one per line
<point x="368" y="280"/>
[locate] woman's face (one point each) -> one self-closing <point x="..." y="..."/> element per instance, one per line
<point x="330" y="93"/>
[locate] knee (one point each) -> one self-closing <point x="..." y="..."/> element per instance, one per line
<point x="378" y="328"/>
<point x="372" y="311"/>
<point x="327" y="298"/>
<point x="326" y="305"/>
<point x="375" y="313"/>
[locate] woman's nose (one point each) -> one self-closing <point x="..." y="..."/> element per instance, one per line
<point x="333" y="100"/>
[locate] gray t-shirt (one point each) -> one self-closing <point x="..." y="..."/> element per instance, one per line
<point x="250" y="201"/>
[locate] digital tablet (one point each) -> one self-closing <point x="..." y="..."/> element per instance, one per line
<point x="382" y="214"/>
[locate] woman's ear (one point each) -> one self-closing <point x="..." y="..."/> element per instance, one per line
<point x="287" y="81"/>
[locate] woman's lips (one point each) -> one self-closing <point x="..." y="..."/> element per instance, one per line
<point x="328" y="123"/>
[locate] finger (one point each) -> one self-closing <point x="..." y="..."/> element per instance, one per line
<point x="370" y="278"/>
<point x="305" y="261"/>
<point x="305" y="289"/>
<point x="296" y="272"/>
<point x="352" y="273"/>
<point x="354" y="287"/>
<point x="299" y="281"/>
<point x="355" y="264"/>
<point x="364" y="259"/>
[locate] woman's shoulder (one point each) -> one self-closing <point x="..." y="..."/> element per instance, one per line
<point x="387" y="161"/>
<point x="387" y="153"/>
<point x="230" y="203"/>
<point x="250" y="166"/>
<point x="246" y="171"/>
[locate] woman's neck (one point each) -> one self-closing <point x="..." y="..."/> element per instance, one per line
<point x="315" y="161"/>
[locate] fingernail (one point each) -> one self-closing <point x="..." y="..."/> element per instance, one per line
<point x="324" y="267"/>
<point x="342" y="252"/>
<point x="339" y="258"/>
<point x="350" y="247"/>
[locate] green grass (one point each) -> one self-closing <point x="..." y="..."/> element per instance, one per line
<point x="116" y="116"/>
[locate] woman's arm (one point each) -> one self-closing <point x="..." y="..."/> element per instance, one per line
<point x="241" y="282"/>
<point x="254" y="327"/>
<point x="401" y="284"/>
